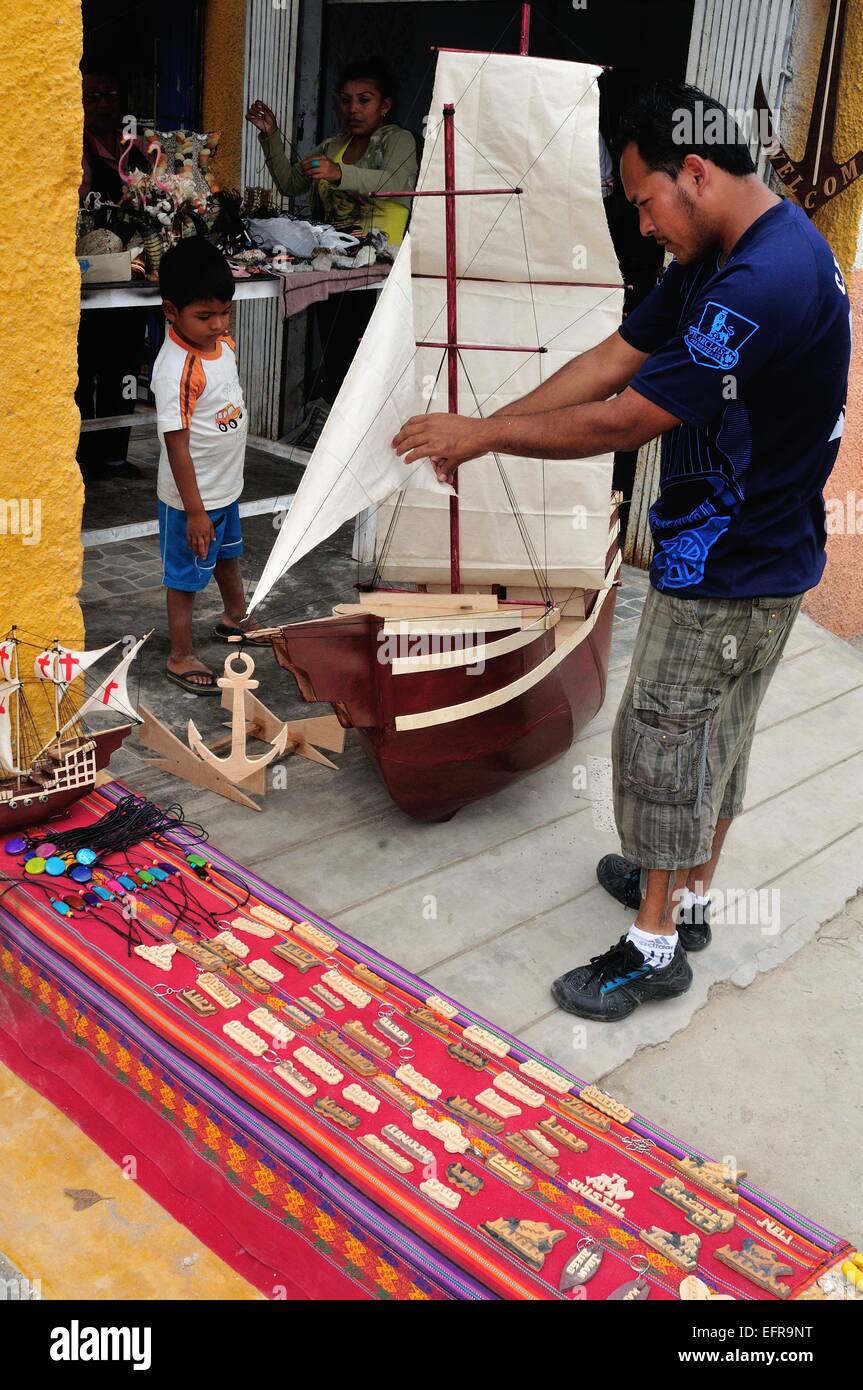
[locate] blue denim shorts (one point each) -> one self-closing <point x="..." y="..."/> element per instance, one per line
<point x="181" y="567"/>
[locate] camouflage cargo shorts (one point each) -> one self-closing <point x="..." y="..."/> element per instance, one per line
<point x="683" y="733"/>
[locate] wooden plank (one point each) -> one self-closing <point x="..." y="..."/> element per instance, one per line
<point x="446" y="602"/>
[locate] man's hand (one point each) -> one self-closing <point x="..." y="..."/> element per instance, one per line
<point x="447" y="440"/>
<point x="200" y="533"/>
<point x="317" y="166"/>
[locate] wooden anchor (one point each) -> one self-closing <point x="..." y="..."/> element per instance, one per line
<point x="238" y="767"/>
<point x="216" y="774"/>
<point x="303" y="734"/>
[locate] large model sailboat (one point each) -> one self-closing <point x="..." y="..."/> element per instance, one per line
<point x="39" y="777"/>
<point x="482" y="649"/>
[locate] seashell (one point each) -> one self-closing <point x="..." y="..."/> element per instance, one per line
<point x="100" y="242"/>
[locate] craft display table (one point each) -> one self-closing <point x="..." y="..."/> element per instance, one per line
<point x="297" y="291"/>
<point x="377" y="1141"/>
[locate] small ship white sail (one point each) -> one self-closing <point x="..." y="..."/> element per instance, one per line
<point x="62" y="665"/>
<point x="111" y="693"/>
<point x="7" y="760"/>
<point x="7" y="659"/>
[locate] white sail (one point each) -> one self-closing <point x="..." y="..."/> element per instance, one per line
<point x="526" y="122"/>
<point x="62" y="665"/>
<point x="353" y="465"/>
<point x="7" y="658"/>
<point x="530" y="123"/>
<point x="536" y="269"/>
<point x="7" y="760"/>
<point x="563" y="504"/>
<point x="111" y="693"/>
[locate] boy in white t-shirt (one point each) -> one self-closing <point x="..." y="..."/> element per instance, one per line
<point x="202" y="425"/>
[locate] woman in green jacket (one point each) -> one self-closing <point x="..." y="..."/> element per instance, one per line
<point x="368" y="156"/>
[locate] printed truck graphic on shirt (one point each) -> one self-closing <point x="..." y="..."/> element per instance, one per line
<point x="228" y="417"/>
<point x="716" y="340"/>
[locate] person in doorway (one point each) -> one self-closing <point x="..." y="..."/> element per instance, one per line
<point x="110" y="341"/>
<point x="202" y="424"/>
<point x="739" y="360"/>
<point x="369" y="155"/>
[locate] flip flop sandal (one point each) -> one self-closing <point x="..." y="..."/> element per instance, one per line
<point x="194" y="687"/>
<point x="225" y="632"/>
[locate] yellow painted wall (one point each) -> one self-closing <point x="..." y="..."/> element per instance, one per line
<point x="224" y="62"/>
<point x="838" y="600"/>
<point x="40" y="135"/>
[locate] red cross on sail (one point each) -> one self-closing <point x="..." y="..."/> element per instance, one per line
<point x="63" y="664"/>
<point x="43" y="666"/>
<point x="111" y="693"/>
<point x="6" y="650"/>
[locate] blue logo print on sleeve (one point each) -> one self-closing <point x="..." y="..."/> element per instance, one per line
<point x="717" y="339"/>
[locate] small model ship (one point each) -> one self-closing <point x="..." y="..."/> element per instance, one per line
<point x="480" y="649"/>
<point x="39" y="778"/>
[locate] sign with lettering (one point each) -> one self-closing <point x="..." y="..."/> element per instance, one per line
<point x="818" y="176"/>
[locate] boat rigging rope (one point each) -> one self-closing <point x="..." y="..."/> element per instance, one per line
<point x="538" y="573"/>
<point x="384" y="550"/>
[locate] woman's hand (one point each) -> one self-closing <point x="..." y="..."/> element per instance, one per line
<point x="262" y="117"/>
<point x="317" y="166"/>
<point x="200" y="533"/>
<point x="447" y="440"/>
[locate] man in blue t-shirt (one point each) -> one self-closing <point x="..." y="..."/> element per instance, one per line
<point x="739" y="360"/>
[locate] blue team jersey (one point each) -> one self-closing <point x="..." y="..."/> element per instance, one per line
<point x="752" y="357"/>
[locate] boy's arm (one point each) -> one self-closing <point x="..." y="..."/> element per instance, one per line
<point x="199" y="528"/>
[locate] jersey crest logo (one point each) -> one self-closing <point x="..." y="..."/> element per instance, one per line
<point x="718" y="337"/>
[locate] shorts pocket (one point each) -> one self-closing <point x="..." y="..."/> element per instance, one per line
<point x="665" y="739"/>
<point x="776" y="617"/>
<point x="684" y="612"/>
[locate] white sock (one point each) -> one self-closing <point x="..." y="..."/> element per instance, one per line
<point x="657" y="950"/>
<point x="688" y="899"/>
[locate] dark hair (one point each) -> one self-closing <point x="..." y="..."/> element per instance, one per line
<point x="375" y="69"/>
<point x="670" y="120"/>
<point x="194" y="269"/>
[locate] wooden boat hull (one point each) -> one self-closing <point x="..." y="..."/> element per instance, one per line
<point x="33" y="804"/>
<point x="444" y="736"/>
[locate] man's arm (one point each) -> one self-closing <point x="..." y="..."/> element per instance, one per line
<point x="592" y="376"/>
<point x="199" y="527"/>
<point x="576" y="431"/>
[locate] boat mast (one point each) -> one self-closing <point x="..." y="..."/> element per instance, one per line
<point x="451" y="326"/>
<point x="55" y="647"/>
<point x="452" y="297"/>
<point x="524" y="37"/>
<point x="17" y="677"/>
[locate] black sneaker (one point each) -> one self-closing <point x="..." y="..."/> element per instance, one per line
<point x="621" y="878"/>
<point x="693" y="927"/>
<point x="614" y="984"/>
